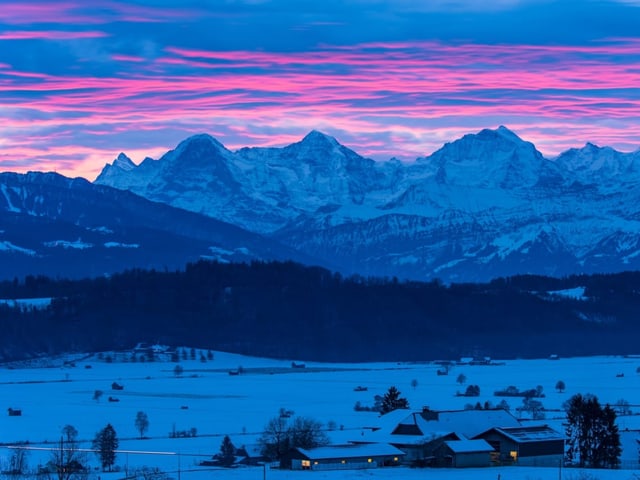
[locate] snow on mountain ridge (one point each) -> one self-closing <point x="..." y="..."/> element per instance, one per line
<point x="592" y="164"/>
<point x="483" y="205"/>
<point x="490" y="158"/>
<point x="123" y="162"/>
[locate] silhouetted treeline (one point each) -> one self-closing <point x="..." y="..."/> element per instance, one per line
<point x="292" y="311"/>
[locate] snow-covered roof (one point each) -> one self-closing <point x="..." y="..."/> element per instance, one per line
<point x="530" y="434"/>
<point x="469" y="423"/>
<point x="389" y="420"/>
<point x="402" y="427"/>
<point x="468" y="446"/>
<point x="407" y="440"/>
<point x="351" y="450"/>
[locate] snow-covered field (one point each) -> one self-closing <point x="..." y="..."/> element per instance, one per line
<point x="206" y="398"/>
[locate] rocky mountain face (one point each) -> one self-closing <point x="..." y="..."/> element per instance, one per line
<point x="57" y="226"/>
<point x="486" y="205"/>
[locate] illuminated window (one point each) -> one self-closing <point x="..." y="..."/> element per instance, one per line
<point x="514" y="455"/>
<point x="306" y="463"/>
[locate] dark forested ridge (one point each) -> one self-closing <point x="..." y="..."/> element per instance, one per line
<point x="291" y="311"/>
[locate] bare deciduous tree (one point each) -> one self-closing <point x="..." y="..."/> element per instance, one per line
<point x="67" y="461"/>
<point x="142" y="423"/>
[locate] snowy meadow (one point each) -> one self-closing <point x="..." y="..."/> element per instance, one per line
<point x="206" y="403"/>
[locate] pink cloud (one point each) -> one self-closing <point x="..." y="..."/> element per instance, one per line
<point x="83" y="13"/>
<point x="127" y="58"/>
<point x="389" y="99"/>
<point x="21" y="13"/>
<point x="49" y="35"/>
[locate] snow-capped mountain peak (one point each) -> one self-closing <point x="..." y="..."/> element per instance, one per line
<point x="316" y="148"/>
<point x="315" y="137"/>
<point x="123" y="162"/>
<point x="112" y="171"/>
<point x="507" y="134"/>
<point x="197" y="148"/>
<point x="489" y="159"/>
<point x="199" y="140"/>
<point x="592" y="164"/>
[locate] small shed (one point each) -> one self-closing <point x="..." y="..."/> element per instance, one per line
<point x="538" y="445"/>
<point x="341" y="457"/>
<point x="463" y="453"/>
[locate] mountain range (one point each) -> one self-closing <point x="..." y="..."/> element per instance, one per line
<point x="483" y="206"/>
<point x="70" y="228"/>
<point x="486" y="205"/>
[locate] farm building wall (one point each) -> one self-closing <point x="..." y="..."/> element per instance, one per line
<point x="444" y="456"/>
<point x="471" y="459"/>
<point x="302" y="460"/>
<point x="502" y="445"/>
<point x="413" y="452"/>
<point x="541" y="460"/>
<point x="540" y="453"/>
<point x="333" y="464"/>
<point x="542" y="449"/>
<point x="423" y="453"/>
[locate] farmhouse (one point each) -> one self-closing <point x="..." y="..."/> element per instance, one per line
<point x="339" y="457"/>
<point x="531" y="445"/>
<point x="439" y="438"/>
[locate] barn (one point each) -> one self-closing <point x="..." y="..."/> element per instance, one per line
<point x="463" y="453"/>
<point x="532" y="445"/>
<point x="342" y="457"/>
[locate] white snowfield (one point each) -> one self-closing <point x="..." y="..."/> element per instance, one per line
<point x="10" y="247"/>
<point x="35" y="303"/>
<point x="59" y="391"/>
<point x="77" y="244"/>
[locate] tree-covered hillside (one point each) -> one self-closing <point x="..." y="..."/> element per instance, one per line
<point x="292" y="311"/>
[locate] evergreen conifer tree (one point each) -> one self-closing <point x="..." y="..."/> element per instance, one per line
<point x="105" y="444"/>
<point x="593" y="439"/>
<point x="227" y="452"/>
<point x="392" y="401"/>
<point x="610" y="445"/>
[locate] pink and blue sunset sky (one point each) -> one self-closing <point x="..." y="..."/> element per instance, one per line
<point x="81" y="81"/>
